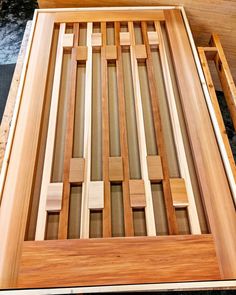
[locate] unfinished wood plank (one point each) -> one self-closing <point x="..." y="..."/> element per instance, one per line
<point x="214" y="186"/>
<point x="190" y="258"/>
<point x="106" y="137"/>
<point x="226" y="78"/>
<point x="171" y="218"/>
<point x="181" y="153"/>
<point x="76" y="174"/>
<point x="116" y="169"/>
<point x="54" y="196"/>
<point x="111" y="52"/>
<point x="82" y="53"/>
<point x="84" y="225"/>
<point x="150" y="221"/>
<point x="48" y="159"/>
<point x="64" y="214"/>
<point x="179" y="192"/>
<point x="211" y="89"/>
<point x="128" y="216"/>
<point x="96" y="195"/>
<point x="155" y="171"/>
<point x="17" y="190"/>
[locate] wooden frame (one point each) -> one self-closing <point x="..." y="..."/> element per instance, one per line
<point x="10" y="229"/>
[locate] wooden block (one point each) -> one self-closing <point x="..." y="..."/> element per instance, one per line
<point x="140" y="51"/>
<point x="96" y="195"/>
<point x="111" y="52"/>
<point x="153" y="38"/>
<point x="68" y="40"/>
<point x="116" y="169"/>
<point x="179" y="193"/>
<point x="137" y="193"/>
<point x="82" y="53"/>
<point x="124" y="38"/>
<point x="96" y="39"/>
<point x="76" y="170"/>
<point x="154" y="168"/>
<point x="54" y="196"/>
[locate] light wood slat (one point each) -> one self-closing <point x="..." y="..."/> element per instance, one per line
<point x="211" y="89"/>
<point x="21" y="165"/>
<point x="226" y="78"/>
<point x="48" y="159"/>
<point x="128" y="215"/>
<point x="105" y="138"/>
<point x="149" y="213"/>
<point x="63" y="221"/>
<point x="182" y="159"/>
<point x="84" y="225"/>
<point x="207" y="158"/>
<point x="170" y="211"/>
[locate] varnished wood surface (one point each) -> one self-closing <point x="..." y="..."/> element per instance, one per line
<point x="205" y="17"/>
<point x="215" y="188"/>
<point x="118" y="261"/>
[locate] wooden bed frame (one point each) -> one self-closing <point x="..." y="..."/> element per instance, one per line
<point x="207" y="257"/>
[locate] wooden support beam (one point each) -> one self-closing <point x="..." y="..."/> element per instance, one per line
<point x="149" y="213"/>
<point x="54" y="196"/>
<point x="170" y="211"/>
<point x="84" y="224"/>
<point x="212" y="92"/>
<point x="105" y="137"/>
<point x="155" y="171"/>
<point x="96" y="195"/>
<point x="128" y="215"/>
<point x="76" y="174"/>
<point x="48" y="159"/>
<point x="179" y="192"/>
<point x="180" y="148"/>
<point x="116" y="169"/>
<point x="210" y="52"/>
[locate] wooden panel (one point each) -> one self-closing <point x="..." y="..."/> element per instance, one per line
<point x="96" y="39"/>
<point x="179" y="193"/>
<point x="155" y="172"/>
<point x="152" y="38"/>
<point x="76" y="170"/>
<point x="116" y="169"/>
<point x="124" y="38"/>
<point x="140" y="51"/>
<point x="96" y="195"/>
<point x="214" y="186"/>
<point x="111" y="52"/>
<point x="136" y="260"/>
<point x="82" y="53"/>
<point x="54" y="196"/>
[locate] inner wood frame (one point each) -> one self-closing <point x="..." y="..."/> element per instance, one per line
<point x="8" y="265"/>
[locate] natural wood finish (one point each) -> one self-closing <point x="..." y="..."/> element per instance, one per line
<point x="210" y="52"/>
<point x="54" y="196"/>
<point x="76" y="174"/>
<point x="96" y="195"/>
<point x="138" y="200"/>
<point x="170" y="212"/>
<point x="96" y="39"/>
<point x="111" y="52"/>
<point x="190" y="258"/>
<point x="214" y="186"/>
<point x="128" y="215"/>
<point x="136" y="187"/>
<point x="124" y="38"/>
<point x="82" y="53"/>
<point x="105" y="137"/>
<point x="179" y="193"/>
<point x="177" y="132"/>
<point x="116" y="169"/>
<point x="155" y="172"/>
<point x="67" y="41"/>
<point x="211" y="89"/>
<point x="63" y="221"/>
<point x="140" y="51"/>
<point x="226" y="78"/>
<point x="153" y="38"/>
<point x="16" y="193"/>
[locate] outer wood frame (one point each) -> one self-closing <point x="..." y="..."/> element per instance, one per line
<point x="9" y="274"/>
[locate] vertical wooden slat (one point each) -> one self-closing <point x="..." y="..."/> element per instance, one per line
<point x="128" y="216"/>
<point x="149" y="213"/>
<point x="48" y="159"/>
<point x="84" y="225"/>
<point x="63" y="221"/>
<point x="182" y="159"/>
<point x="207" y="159"/>
<point x="105" y="137"/>
<point x="211" y="89"/>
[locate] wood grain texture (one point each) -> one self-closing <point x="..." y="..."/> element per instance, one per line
<point x="17" y="190"/>
<point x="117" y="261"/>
<point x="214" y="186"/>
